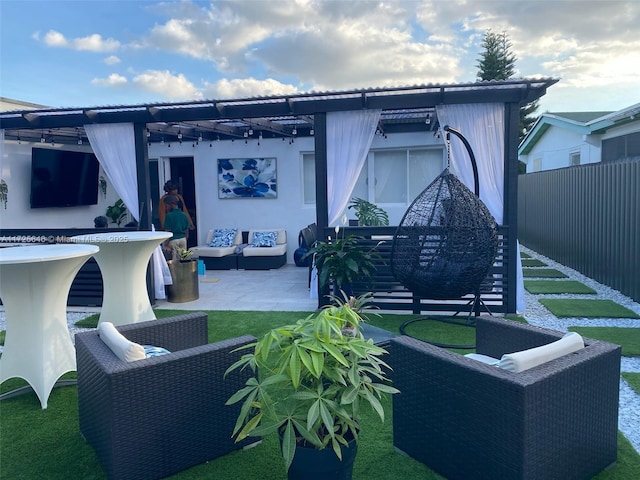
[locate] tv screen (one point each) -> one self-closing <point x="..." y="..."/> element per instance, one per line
<point x="62" y="178"/>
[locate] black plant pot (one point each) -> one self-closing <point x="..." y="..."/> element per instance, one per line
<point x="314" y="464"/>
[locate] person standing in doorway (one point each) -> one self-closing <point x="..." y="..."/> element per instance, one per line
<point x="171" y="188"/>
<point x="176" y="222"/>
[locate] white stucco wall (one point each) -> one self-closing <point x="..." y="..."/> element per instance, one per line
<point x="287" y="211"/>
<point x="16" y="172"/>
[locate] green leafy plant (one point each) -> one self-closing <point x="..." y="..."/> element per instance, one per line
<point x="369" y="214"/>
<point x="310" y="382"/>
<point x="117" y="212"/>
<point x="343" y="261"/>
<point x="185" y="254"/>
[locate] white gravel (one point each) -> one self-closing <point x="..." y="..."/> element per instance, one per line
<point x="536" y="314"/>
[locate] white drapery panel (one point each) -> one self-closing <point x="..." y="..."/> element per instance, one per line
<point x="1" y="150"/>
<point x="349" y="137"/>
<point x="114" y="145"/>
<point x="483" y="126"/>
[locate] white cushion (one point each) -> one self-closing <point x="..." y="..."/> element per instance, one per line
<point x="123" y="348"/>
<point x="483" y="358"/>
<point x="214" y="251"/>
<point x="525" y="359"/>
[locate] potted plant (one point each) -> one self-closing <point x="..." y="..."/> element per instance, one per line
<point x="343" y="261"/>
<point x="184" y="276"/>
<point x="117" y="212"/>
<point x="311" y="381"/>
<point x="369" y="214"/>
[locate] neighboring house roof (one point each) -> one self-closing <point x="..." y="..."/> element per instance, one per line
<point x="7" y="104"/>
<point x="585" y="123"/>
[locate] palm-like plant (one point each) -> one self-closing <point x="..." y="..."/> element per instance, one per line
<point x="369" y="214"/>
<point x="310" y="382"/>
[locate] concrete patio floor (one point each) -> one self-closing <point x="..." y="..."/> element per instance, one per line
<point x="283" y="289"/>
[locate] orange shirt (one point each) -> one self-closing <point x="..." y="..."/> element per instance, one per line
<point x="162" y="209"/>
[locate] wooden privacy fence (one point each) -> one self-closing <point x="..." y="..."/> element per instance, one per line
<point x="588" y="218"/>
<point x="389" y="294"/>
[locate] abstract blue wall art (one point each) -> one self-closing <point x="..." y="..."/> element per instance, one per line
<point x="247" y="178"/>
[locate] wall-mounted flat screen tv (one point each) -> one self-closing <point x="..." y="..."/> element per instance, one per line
<point x="61" y="178"/>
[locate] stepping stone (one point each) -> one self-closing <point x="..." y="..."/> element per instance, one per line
<point x="557" y="286"/>
<point x="533" y="262"/>
<point x="542" y="273"/>
<point x="582" y="308"/>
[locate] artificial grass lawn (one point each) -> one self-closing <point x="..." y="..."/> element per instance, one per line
<point x="533" y="262"/>
<point x="524" y="255"/>
<point x="542" y="273"/>
<point x="38" y="443"/>
<point x="633" y="379"/>
<point x="627" y="338"/>
<point x="557" y="286"/>
<point x="586" y="308"/>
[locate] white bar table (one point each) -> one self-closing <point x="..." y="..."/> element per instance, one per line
<point x="34" y="287"/>
<point x="123" y="260"/>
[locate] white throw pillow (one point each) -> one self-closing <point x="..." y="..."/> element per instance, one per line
<point x="526" y="359"/>
<point x="123" y="348"/>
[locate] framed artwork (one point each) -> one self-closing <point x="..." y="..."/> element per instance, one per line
<point x="247" y="178"/>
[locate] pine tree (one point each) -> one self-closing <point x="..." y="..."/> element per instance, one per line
<point x="498" y="62"/>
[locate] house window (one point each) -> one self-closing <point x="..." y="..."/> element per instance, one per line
<point x="387" y="177"/>
<point x="624" y="147"/>
<point x="575" y="158"/>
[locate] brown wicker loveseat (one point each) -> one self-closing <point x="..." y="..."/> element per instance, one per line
<point x="469" y="420"/>
<point x="151" y="418"/>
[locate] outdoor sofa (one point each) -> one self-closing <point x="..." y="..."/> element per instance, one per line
<point x="257" y="249"/>
<point x="467" y="419"/>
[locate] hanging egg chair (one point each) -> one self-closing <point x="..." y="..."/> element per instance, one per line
<point x="447" y="240"/>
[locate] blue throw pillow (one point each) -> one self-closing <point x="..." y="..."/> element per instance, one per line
<point x="223" y="237"/>
<point x="264" y="239"/>
<point x="152" y="351"/>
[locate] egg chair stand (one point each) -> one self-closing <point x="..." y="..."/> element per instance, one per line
<point x="446" y="243"/>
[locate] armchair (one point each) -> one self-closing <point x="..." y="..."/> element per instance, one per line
<point x="469" y="420"/>
<point x="150" y="418"/>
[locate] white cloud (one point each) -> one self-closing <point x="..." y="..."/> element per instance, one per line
<point x="95" y="43"/>
<point x="246" y="87"/>
<point x="55" y="39"/>
<point x="92" y="43"/>
<point x="112" y="80"/>
<point x="112" y="60"/>
<point x="167" y="84"/>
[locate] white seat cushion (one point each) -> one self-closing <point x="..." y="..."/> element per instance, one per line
<point x="276" y="251"/>
<point x="525" y="359"/>
<point x="203" y="251"/>
<point x="124" y="349"/>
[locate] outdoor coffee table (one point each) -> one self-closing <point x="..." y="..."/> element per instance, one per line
<point x="34" y="286"/>
<point x="123" y="260"/>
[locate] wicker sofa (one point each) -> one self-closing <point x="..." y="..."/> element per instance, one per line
<point x="466" y="419"/>
<point x="151" y="418"/>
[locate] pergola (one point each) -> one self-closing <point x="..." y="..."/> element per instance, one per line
<point x="404" y="109"/>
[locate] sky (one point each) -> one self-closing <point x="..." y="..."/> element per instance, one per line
<point x="69" y="53"/>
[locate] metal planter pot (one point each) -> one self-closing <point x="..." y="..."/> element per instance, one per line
<point x="185" y="281"/>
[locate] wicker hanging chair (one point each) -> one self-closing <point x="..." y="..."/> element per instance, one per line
<point x="447" y="240"/>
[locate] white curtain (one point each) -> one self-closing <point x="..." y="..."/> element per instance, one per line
<point x="1" y="150"/>
<point x="114" y="145"/>
<point x="483" y="126"/>
<point x="349" y="137"/>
